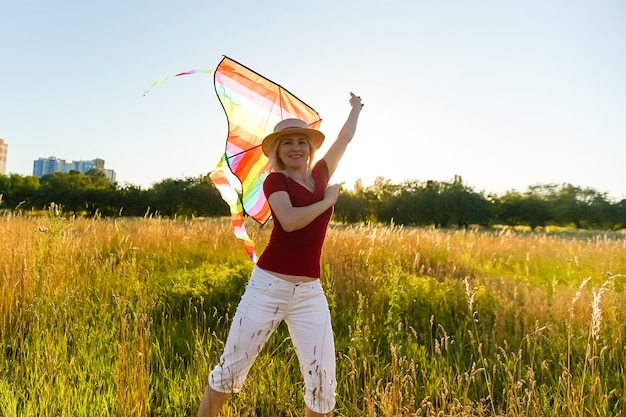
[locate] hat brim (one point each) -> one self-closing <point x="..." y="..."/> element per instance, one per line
<point x="317" y="138"/>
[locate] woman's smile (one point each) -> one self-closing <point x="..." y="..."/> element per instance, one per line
<point x="294" y="148"/>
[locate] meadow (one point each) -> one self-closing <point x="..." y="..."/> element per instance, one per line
<point x="126" y="317"/>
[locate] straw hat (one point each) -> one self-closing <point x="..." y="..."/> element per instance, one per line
<point x="292" y="127"/>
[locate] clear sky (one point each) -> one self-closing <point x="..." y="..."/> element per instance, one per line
<point x="506" y="94"/>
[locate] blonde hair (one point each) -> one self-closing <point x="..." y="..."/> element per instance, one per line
<point x="275" y="164"/>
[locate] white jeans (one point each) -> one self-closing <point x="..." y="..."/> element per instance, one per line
<point x="266" y="302"/>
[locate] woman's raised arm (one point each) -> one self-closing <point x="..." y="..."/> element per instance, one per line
<point x="337" y="149"/>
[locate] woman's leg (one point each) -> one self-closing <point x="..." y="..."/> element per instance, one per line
<point x="311" y="332"/>
<point x="212" y="402"/>
<point x="258" y="315"/>
<point x="310" y="413"/>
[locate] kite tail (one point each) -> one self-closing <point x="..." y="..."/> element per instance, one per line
<point x="190" y="72"/>
<point x="227" y="184"/>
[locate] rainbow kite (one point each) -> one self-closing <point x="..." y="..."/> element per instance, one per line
<point x="253" y="106"/>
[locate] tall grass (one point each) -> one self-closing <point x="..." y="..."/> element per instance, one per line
<point x="128" y="317"/>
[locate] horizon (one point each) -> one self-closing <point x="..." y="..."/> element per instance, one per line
<point x="349" y="186"/>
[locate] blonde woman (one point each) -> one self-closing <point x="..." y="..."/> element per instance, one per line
<point x="284" y="285"/>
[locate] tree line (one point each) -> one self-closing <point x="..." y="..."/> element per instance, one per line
<point x="445" y="204"/>
<point x="409" y="203"/>
<point x="93" y="193"/>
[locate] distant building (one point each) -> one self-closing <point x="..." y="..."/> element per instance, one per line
<point x="45" y="166"/>
<point x="4" y="149"/>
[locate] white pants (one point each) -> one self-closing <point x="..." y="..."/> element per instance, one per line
<point x="266" y="302"/>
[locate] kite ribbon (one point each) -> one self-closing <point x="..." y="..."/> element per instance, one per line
<point x="227" y="184"/>
<point x="190" y="72"/>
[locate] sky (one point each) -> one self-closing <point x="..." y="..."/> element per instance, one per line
<point x="505" y="94"/>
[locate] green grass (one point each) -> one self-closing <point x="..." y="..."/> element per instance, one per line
<point x="127" y="318"/>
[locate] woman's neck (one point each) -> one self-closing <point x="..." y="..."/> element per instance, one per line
<point x="298" y="174"/>
<point x="303" y="177"/>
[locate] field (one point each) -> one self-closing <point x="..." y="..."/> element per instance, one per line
<point x="127" y="317"/>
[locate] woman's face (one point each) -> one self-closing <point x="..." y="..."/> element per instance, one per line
<point x="294" y="151"/>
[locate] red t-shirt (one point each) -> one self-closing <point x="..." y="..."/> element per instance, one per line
<point x="297" y="252"/>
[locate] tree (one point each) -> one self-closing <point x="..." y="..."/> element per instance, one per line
<point x="65" y="189"/>
<point x="202" y="198"/>
<point x="618" y="215"/>
<point x="188" y="197"/>
<point x="165" y="197"/>
<point x="529" y="209"/>
<point x="373" y="199"/>
<point x="351" y="208"/>
<point x="5" y="188"/>
<point x="22" y="191"/>
<point x="99" y="193"/>
<point x="415" y="204"/>
<point x="583" y="207"/>
<point x="463" y="205"/>
<point x="130" y="200"/>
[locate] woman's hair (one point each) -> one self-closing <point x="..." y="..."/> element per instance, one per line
<point x="275" y="164"/>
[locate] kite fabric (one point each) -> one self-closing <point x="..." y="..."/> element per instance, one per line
<point x="228" y="185"/>
<point x="253" y="106"/>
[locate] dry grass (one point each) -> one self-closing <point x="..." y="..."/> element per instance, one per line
<point x="127" y="317"/>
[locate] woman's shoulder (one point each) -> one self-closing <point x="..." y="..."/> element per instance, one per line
<point x="278" y="175"/>
<point x="274" y="179"/>
<point x="320" y="168"/>
<point x="275" y="174"/>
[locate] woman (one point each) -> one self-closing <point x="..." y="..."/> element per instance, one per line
<point x="285" y="281"/>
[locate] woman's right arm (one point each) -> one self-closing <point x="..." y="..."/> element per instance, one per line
<point x="294" y="218"/>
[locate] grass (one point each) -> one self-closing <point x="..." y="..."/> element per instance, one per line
<point x="127" y="317"/>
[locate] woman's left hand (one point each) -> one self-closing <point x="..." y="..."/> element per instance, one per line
<point x="332" y="193"/>
<point x="355" y="101"/>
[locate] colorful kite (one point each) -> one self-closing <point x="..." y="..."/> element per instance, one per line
<point x="253" y="106"/>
